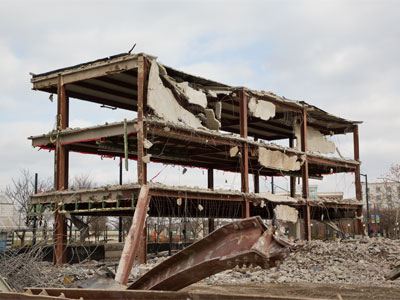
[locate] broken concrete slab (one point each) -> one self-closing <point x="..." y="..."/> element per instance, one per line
<point x="211" y="121"/>
<point x="163" y="102"/>
<point x="194" y="96"/>
<point x="316" y="141"/>
<point x="261" y="109"/>
<point x="286" y="213"/>
<point x="278" y="160"/>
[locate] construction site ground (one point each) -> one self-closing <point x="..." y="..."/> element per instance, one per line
<point x="350" y="269"/>
<point x="301" y="290"/>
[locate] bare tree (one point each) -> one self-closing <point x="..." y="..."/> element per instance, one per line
<point x="21" y="189"/>
<point x="393" y="175"/>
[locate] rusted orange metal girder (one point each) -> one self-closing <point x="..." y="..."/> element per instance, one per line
<point x="242" y="242"/>
<point x="133" y="239"/>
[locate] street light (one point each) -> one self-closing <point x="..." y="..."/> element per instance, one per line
<point x="367" y="198"/>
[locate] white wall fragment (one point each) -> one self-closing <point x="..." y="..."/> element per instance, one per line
<point x="261" y="109"/>
<point x="162" y="101"/>
<point x="286" y="213"/>
<point x="278" y="160"/>
<point x="194" y="96"/>
<point x="316" y="141"/>
<point x="211" y="121"/>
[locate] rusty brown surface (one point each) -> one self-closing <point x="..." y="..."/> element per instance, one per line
<point x="240" y="243"/>
<point x="89" y="294"/>
<point x="133" y="239"/>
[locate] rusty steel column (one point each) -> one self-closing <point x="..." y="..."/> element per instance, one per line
<point x="292" y="178"/>
<point x="210" y="185"/>
<point x="132" y="241"/>
<point x="61" y="175"/>
<point x="357" y="180"/>
<point x="141" y="136"/>
<point x="305" y="186"/>
<point x="244" y="160"/>
<point x="256" y="179"/>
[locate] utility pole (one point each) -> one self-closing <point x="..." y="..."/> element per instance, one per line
<point x="34" y="211"/>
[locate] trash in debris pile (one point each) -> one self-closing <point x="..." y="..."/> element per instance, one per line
<point x="364" y="261"/>
<point x="26" y="269"/>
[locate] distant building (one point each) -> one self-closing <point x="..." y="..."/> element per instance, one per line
<point x="382" y="194"/>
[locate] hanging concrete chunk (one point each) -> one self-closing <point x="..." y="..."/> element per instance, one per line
<point x="147" y="144"/>
<point x="316" y="141"/>
<point x="261" y="109"/>
<point x="194" y="96"/>
<point x="278" y="160"/>
<point x="162" y="101"/>
<point x="211" y="121"/>
<point x="286" y="213"/>
<point x="233" y="151"/>
<point x="146" y="158"/>
<point x="218" y="110"/>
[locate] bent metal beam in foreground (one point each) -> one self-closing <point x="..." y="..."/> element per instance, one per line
<point x="242" y="242"/>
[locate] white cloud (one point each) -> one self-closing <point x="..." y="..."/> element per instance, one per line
<point x="341" y="56"/>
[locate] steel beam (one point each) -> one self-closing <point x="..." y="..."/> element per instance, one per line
<point x="210" y="185"/>
<point x="92" y="70"/>
<point x="240" y="243"/>
<point x="244" y="159"/>
<point x="305" y="185"/>
<point x="132" y="241"/>
<point x="292" y="178"/>
<point x="357" y="179"/>
<point x="61" y="175"/>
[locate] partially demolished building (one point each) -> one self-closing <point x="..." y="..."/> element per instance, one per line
<point x="190" y="121"/>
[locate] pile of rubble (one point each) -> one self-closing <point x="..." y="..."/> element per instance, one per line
<point x="364" y="261"/>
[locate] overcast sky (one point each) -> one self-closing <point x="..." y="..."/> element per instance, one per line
<point x="342" y="56"/>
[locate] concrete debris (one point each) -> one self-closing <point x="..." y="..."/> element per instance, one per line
<point x="211" y="121"/>
<point x="278" y="160"/>
<point x="233" y="151"/>
<point x="168" y="109"/>
<point x="277" y="198"/>
<point x="146" y="158"/>
<point x="147" y="144"/>
<point x="393" y="274"/>
<point x="316" y="141"/>
<point x="286" y="213"/>
<point x="218" y="110"/>
<point x="261" y="109"/>
<point x="194" y="96"/>
<point x="364" y="261"/>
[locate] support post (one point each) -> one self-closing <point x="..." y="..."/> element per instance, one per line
<point x="134" y="236"/>
<point x="244" y="161"/>
<point x="292" y="178"/>
<point x="357" y="180"/>
<point x="210" y="185"/>
<point x="256" y="180"/>
<point x="305" y="185"/>
<point x="61" y="175"/>
<point x="120" y="230"/>
<point x="141" y="136"/>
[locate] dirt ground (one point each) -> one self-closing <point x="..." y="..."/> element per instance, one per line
<point x="310" y="290"/>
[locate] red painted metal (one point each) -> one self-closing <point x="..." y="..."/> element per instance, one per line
<point x="245" y="242"/>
